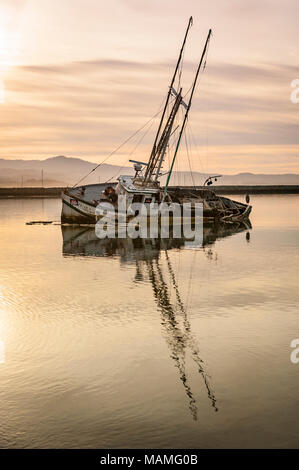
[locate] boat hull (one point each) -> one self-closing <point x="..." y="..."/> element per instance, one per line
<point x="76" y="210"/>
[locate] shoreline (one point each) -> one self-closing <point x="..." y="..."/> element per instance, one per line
<point x="55" y="192"/>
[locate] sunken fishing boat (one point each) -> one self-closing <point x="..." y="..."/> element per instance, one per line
<point x="80" y="204"/>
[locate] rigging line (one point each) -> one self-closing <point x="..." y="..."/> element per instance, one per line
<point x="177" y="177"/>
<point x="203" y="168"/>
<point x="192" y="86"/>
<point x="181" y="69"/>
<point x="191" y="159"/>
<point x="107" y="181"/>
<point x="201" y="72"/>
<point x="186" y="113"/>
<point x="180" y="172"/>
<point x="121" y="145"/>
<point x="187" y="149"/>
<point x="204" y="67"/>
<point x="207" y="123"/>
<point x="177" y="162"/>
<point x="170" y="147"/>
<point x="189" y="154"/>
<point x="169" y="150"/>
<point x="141" y="139"/>
<point x="172" y="143"/>
<point x="132" y="151"/>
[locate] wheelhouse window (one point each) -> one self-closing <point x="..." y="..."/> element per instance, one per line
<point x="137" y="197"/>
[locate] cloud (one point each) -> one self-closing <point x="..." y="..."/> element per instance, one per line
<point x="88" y="107"/>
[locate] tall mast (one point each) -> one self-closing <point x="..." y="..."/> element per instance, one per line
<point x="190" y="22"/>
<point x="187" y="111"/>
<point x="155" y="163"/>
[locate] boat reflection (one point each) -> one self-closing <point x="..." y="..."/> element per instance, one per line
<point x="79" y="240"/>
<point x="147" y="256"/>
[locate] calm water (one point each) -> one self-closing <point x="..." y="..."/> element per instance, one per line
<point x="149" y="344"/>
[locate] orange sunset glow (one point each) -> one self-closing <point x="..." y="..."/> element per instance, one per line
<point x="77" y="77"/>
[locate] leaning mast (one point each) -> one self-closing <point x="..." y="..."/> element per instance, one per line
<point x="149" y="168"/>
<point x="187" y="111"/>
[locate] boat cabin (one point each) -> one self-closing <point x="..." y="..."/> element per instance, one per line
<point x="129" y="187"/>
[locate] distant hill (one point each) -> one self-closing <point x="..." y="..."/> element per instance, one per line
<point x="66" y="171"/>
<point x="57" y="171"/>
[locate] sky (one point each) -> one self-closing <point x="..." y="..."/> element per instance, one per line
<point x="77" y="77"/>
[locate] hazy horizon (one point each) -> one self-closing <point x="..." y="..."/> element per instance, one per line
<point x="66" y="171"/>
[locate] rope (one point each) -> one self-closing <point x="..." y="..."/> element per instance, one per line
<point x="132" y="151"/>
<point x="181" y="70"/>
<point x="141" y="128"/>
<point x="203" y="167"/>
<point x="187" y="148"/>
<point x="202" y="71"/>
<point x="118" y="148"/>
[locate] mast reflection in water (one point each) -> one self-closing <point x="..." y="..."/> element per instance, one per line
<point x="146" y="253"/>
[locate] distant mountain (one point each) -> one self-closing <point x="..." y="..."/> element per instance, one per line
<point x="66" y="171"/>
<point x="55" y="171"/>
